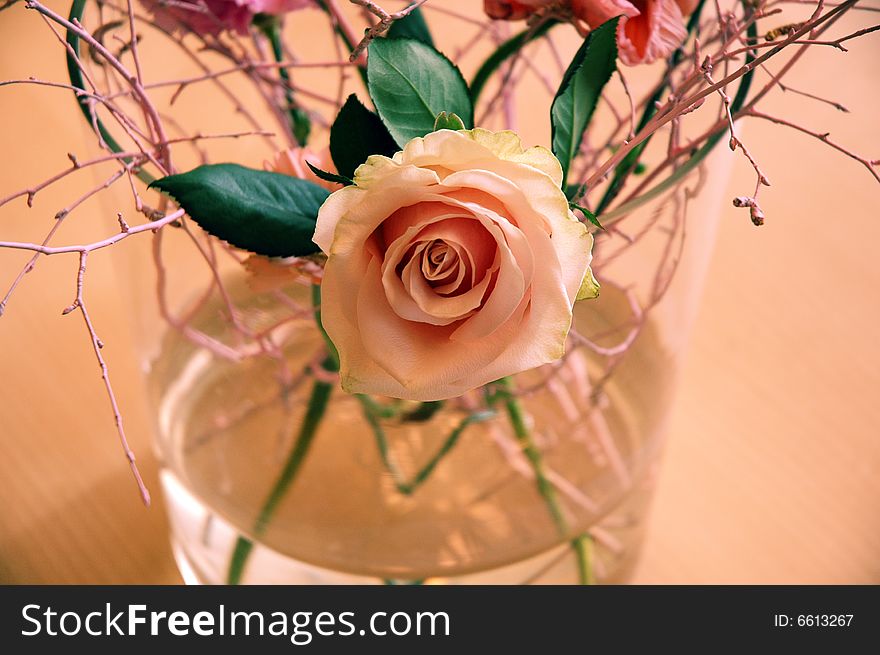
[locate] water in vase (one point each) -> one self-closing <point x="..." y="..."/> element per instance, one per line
<point x="226" y="430"/>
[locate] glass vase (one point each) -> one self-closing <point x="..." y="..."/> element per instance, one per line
<point x="272" y="474"/>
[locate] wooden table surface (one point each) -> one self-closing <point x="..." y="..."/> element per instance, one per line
<point x="772" y="470"/>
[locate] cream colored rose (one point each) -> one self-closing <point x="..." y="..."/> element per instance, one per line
<point x="451" y="265"/>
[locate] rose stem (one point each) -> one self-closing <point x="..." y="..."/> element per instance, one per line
<point x="372" y="413"/>
<point x="317" y="406"/>
<point x="300" y="125"/>
<point x="334" y="355"/>
<point x="580" y="544"/>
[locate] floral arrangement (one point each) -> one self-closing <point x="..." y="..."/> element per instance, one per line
<point x="443" y="254"/>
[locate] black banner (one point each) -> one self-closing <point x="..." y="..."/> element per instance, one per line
<point x="433" y="619"/>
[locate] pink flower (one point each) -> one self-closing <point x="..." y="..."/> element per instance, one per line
<point x="295" y="161"/>
<point x="687" y="6"/>
<point x="650" y="29"/>
<point x="513" y="9"/>
<point x="452" y="264"/>
<point x="201" y="16"/>
<point x="277" y="7"/>
<point x="596" y="12"/>
<point x="215" y="16"/>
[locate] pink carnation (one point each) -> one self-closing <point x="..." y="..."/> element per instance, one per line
<point x="215" y="16"/>
<point x="277" y="7"/>
<point x="513" y="9"/>
<point x="650" y="29"/>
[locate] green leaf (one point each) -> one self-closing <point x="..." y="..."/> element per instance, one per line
<point x="266" y="213"/>
<point x="356" y="134"/>
<point x="579" y="92"/>
<point x="589" y="287"/>
<point x="412" y="26"/>
<point x="330" y="177"/>
<point x="446" y="121"/>
<point x="503" y="53"/>
<point x="410" y="83"/>
<point x="586" y="212"/>
<point x="573" y="191"/>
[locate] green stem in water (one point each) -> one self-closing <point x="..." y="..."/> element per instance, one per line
<point x="300" y="124"/>
<point x="372" y="413"/>
<point x="581" y="544"/>
<point x="533" y="454"/>
<point x="583" y="550"/>
<point x="317" y="406"/>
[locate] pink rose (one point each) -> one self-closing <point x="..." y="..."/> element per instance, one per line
<point x="450" y="265"/>
<point x="215" y="16"/>
<point x="293" y="162"/>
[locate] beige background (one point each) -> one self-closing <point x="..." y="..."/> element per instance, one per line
<point x="772" y="472"/>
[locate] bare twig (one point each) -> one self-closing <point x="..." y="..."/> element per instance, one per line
<point x="97" y="346"/>
<point x="870" y="164"/>
<point x="386" y="20"/>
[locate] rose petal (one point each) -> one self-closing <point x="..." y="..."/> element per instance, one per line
<point x="404" y="221"/>
<point x="526" y="195"/>
<point x="514" y="273"/>
<point x="349" y="216"/>
<point x="416" y="302"/>
<point x="476" y="149"/>
<point x="407" y="349"/>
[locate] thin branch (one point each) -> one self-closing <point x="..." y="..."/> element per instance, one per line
<point x="97" y="346"/>
<point x="97" y="245"/>
<point x="386" y="20"/>
<point x="675" y="109"/>
<point x="869" y="164"/>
